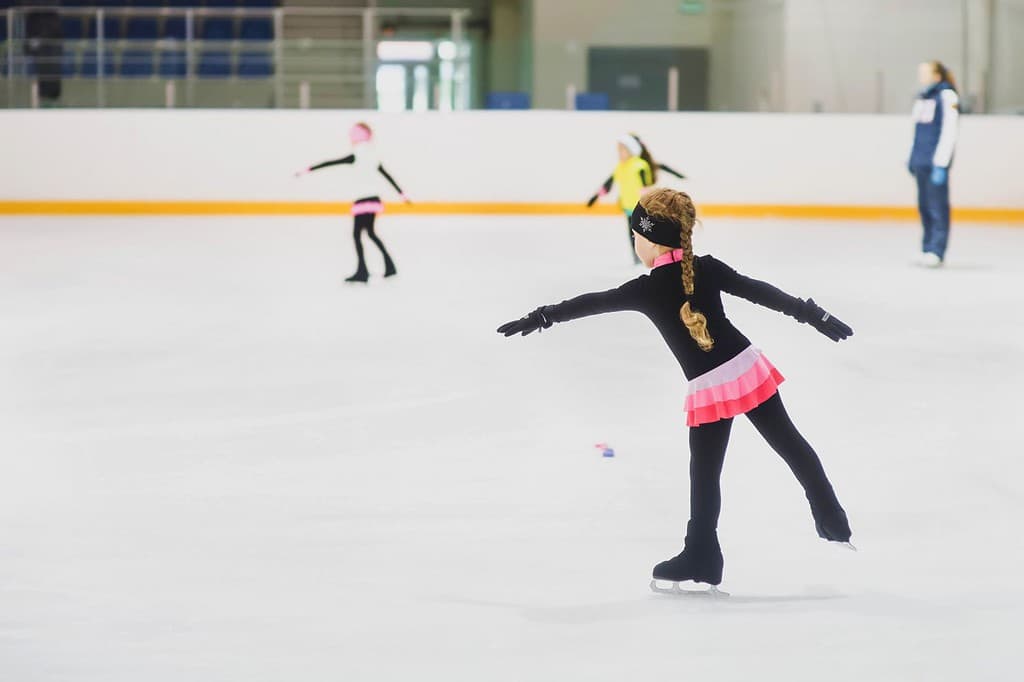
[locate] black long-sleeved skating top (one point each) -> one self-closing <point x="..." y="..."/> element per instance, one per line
<point x="659" y="295"/>
<point x="366" y="166"/>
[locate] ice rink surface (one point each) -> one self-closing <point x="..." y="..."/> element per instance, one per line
<point x="219" y="463"/>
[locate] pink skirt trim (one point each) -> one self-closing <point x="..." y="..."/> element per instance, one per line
<point x="734" y="397"/>
<point x="363" y="207"/>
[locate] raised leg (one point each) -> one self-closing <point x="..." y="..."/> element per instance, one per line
<point x="773" y="423"/>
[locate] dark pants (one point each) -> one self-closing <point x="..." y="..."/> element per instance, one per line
<point x="632" y="244"/>
<point x="708" y="443"/>
<point x="364" y="223"/>
<point x="933" y="204"/>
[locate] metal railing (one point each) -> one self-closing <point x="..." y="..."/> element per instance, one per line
<point x="206" y="56"/>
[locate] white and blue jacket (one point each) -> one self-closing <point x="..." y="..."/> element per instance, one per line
<point x="936" y="112"/>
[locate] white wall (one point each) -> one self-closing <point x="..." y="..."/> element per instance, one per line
<point x="564" y="30"/>
<point x="747" y="53"/>
<point x="862" y="56"/>
<point x="1007" y="82"/>
<point x="836" y="50"/>
<point x="489" y="156"/>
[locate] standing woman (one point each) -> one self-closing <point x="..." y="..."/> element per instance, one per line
<point x="936" y="112"/>
<point x="367" y="169"/>
<point x="635" y="172"/>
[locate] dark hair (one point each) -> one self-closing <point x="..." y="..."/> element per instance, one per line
<point x="645" y="154"/>
<point x="943" y="72"/>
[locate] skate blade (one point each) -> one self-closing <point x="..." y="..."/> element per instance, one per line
<point x="674" y="588"/>
<point x="848" y="545"/>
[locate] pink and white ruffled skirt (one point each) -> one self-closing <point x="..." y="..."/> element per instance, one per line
<point x="364" y="206"/>
<point x="733" y="388"/>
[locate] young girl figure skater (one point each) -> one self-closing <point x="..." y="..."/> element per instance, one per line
<point x="635" y="172"/>
<point x="367" y="169"/>
<point x="727" y="375"/>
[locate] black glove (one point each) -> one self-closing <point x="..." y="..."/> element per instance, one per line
<point x="535" y="321"/>
<point x="593" y="200"/>
<point x="823" y="321"/>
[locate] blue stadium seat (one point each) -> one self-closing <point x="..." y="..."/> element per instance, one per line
<point x="3" y="29"/>
<point x="89" y="67"/>
<point x="148" y="3"/>
<point x="174" y="28"/>
<point x="136" y="64"/>
<point x="142" y="28"/>
<point x="214" y="64"/>
<point x="221" y="3"/>
<point x="184" y="3"/>
<point x="255" y="65"/>
<point x="218" y="29"/>
<point x="508" y="100"/>
<point x="258" y="3"/>
<point x="173" y="64"/>
<point x="111" y="28"/>
<point x="71" y="27"/>
<point x="257" y="29"/>
<point x="69" y="64"/>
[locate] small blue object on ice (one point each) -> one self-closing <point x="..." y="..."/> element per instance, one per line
<point x="606" y="450"/>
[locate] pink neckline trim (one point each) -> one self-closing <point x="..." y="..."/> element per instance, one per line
<point x="673" y="256"/>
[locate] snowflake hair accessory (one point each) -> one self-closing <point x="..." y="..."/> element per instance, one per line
<point x="664" y="231"/>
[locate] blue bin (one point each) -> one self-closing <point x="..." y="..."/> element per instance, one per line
<point x="507" y="100"/>
<point x="592" y="101"/>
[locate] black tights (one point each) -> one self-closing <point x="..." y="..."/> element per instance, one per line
<point x="632" y="242"/>
<point x="364" y="223"/>
<point x="708" y="443"/>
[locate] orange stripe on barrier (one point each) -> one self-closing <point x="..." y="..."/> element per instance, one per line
<point x="269" y="208"/>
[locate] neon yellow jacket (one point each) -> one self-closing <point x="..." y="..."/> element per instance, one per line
<point x="631" y="175"/>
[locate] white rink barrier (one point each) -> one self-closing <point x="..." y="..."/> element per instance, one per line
<point x="203" y="161"/>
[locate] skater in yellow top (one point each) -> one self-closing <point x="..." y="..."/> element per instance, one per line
<point x="635" y="173"/>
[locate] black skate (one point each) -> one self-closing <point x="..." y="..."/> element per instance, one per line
<point x="361" y="276"/>
<point x="700" y="562"/>
<point x="389" y="268"/>
<point x="832" y="525"/>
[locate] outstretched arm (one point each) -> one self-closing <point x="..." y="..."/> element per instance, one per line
<point x="390" y="179"/>
<point x="348" y="159"/>
<point x="629" y="296"/>
<point x="605" y="188"/>
<point x="776" y="299"/>
<point x="671" y="171"/>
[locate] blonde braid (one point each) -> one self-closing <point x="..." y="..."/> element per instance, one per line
<point x="667" y="203"/>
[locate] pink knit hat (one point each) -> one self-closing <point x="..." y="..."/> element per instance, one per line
<point x="360" y="133"/>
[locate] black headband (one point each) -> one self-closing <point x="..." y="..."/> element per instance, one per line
<point x="664" y="231"/>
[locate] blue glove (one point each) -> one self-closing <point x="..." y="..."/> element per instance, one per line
<point x="939" y="175"/>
